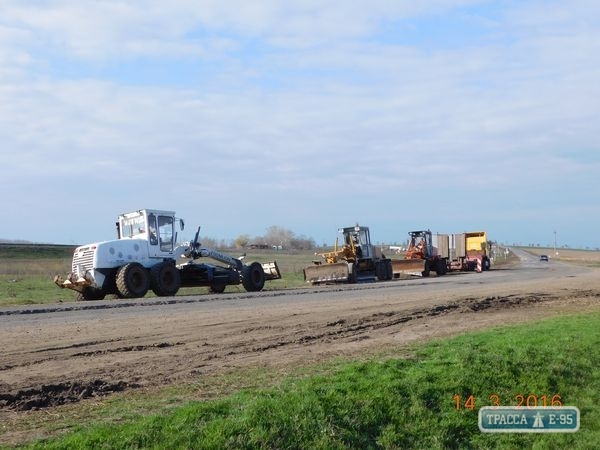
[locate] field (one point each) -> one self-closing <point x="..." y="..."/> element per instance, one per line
<point x="364" y="367"/>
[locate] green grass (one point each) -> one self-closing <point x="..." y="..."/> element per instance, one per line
<point x="27" y="270"/>
<point x="389" y="403"/>
<point x="24" y="290"/>
<point x="35" y="251"/>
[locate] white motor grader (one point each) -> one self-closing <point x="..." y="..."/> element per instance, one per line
<point x="146" y="256"/>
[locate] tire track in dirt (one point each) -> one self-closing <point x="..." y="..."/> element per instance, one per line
<point x="393" y="318"/>
<point x="125" y="349"/>
<point x="242" y="338"/>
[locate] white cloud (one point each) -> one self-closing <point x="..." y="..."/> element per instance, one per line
<point x="234" y="106"/>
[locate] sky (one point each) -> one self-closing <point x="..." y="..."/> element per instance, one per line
<point x="449" y="115"/>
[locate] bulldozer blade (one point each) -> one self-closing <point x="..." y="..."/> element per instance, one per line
<point x="413" y="267"/>
<point x="271" y="271"/>
<point x="327" y="273"/>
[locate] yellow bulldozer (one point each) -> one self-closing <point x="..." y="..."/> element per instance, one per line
<point x="357" y="260"/>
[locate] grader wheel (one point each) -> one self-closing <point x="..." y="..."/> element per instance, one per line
<point x="253" y="278"/>
<point x="132" y="280"/>
<point x="90" y="293"/>
<point x="165" y="279"/>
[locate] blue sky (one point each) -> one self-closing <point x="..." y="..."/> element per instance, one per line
<point x="453" y="115"/>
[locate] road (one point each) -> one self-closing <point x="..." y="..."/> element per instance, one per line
<point x="64" y="353"/>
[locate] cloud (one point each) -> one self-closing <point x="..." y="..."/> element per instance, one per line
<point x="318" y="108"/>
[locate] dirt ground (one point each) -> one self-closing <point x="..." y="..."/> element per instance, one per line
<point x="66" y="354"/>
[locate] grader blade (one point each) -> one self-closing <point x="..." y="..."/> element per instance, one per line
<point x="271" y="271"/>
<point x="414" y="267"/>
<point x="74" y="282"/>
<point x="327" y="273"/>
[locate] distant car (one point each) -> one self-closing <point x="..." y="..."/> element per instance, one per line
<point x="543" y="257"/>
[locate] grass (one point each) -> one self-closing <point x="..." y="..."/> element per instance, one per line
<point x="33" y="289"/>
<point x="391" y="403"/>
<point x="26" y="272"/>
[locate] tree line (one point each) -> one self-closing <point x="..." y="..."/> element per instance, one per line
<point x="275" y="237"/>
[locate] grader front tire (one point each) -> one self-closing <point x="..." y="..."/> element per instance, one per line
<point x="253" y="278"/>
<point x="90" y="293"/>
<point x="133" y="280"/>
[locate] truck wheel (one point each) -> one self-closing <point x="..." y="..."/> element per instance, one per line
<point x="90" y="293"/>
<point x="440" y="267"/>
<point x="486" y="263"/>
<point x="132" y="280"/>
<point x="253" y="278"/>
<point x="165" y="279"/>
<point x="217" y="288"/>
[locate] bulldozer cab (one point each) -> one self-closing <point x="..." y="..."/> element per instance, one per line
<point x="359" y="238"/>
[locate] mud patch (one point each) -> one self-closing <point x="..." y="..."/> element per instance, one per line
<point x="510" y="301"/>
<point x="130" y="348"/>
<point x="356" y="330"/>
<point x="50" y="395"/>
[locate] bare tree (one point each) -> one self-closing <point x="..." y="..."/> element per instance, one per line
<point x="242" y="240"/>
<point x="279" y="236"/>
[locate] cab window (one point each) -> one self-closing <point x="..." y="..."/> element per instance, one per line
<point x="165" y="233"/>
<point x="152" y="234"/>
<point x="133" y="226"/>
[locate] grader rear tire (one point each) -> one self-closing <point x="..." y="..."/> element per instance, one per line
<point x="253" y="278"/>
<point x="133" y="280"/>
<point x="165" y="279"/>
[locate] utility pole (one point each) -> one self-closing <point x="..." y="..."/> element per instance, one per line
<point x="555" y="244"/>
